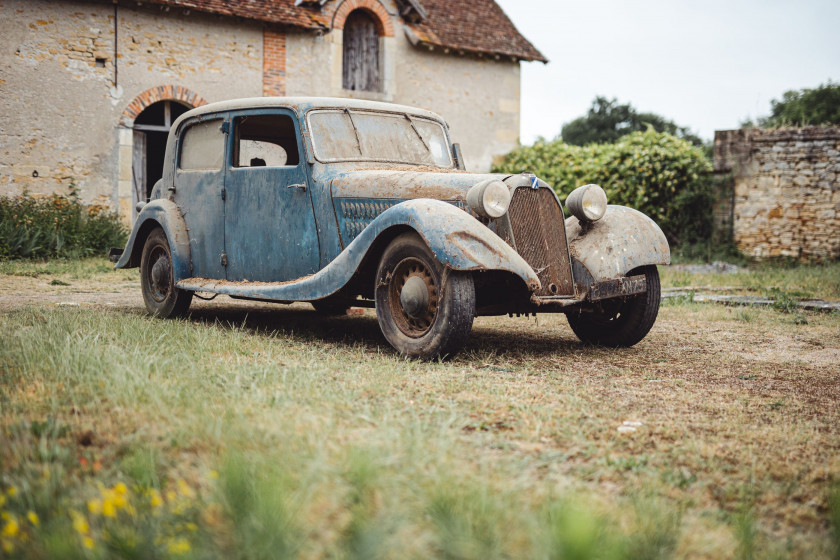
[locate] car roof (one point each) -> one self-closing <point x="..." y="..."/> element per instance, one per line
<point x="303" y="104"/>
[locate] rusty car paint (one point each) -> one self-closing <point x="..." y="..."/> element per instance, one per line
<point x="458" y="240"/>
<point x="622" y="240"/>
<point x="163" y="213"/>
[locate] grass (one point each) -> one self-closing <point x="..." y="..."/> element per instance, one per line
<point x="817" y="281"/>
<point x="258" y="431"/>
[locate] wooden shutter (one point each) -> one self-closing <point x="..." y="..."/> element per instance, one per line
<point x="361" y="53"/>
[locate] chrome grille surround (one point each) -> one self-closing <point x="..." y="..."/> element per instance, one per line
<point x="538" y="233"/>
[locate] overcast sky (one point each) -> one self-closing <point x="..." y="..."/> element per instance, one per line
<point x="707" y="65"/>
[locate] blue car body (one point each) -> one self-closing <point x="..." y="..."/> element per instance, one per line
<point x="314" y="227"/>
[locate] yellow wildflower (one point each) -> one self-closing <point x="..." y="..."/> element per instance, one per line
<point x="80" y="524"/>
<point x="192" y="526"/>
<point x="5" y="515"/>
<point x="108" y="509"/>
<point x="88" y="542"/>
<point x="178" y="546"/>
<point x="184" y="488"/>
<point x="32" y="516"/>
<point x="214" y="474"/>
<point x="2" y="500"/>
<point x="154" y="499"/>
<point x="12" y="491"/>
<point x="120" y="489"/>
<point x="94" y="506"/>
<point x="11" y="528"/>
<point x="170" y="496"/>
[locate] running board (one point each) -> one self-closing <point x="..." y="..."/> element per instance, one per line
<point x="294" y="290"/>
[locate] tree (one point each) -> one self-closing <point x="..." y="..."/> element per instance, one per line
<point x="820" y="105"/>
<point x="607" y="121"/>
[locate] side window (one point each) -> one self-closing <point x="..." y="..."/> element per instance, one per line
<point x="202" y="146"/>
<point x="265" y="141"/>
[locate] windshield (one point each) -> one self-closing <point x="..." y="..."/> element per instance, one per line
<point x="388" y="137"/>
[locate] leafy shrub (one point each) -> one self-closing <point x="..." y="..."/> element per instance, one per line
<point x="56" y="226"/>
<point x="663" y="176"/>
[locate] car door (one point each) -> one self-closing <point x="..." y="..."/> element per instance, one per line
<point x="270" y="230"/>
<point x="199" y="183"/>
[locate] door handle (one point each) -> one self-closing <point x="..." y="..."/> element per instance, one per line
<point x="301" y="186"/>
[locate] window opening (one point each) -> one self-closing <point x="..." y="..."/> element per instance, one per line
<point x="361" y="53"/>
<point x="266" y="141"/>
<point x="202" y="147"/>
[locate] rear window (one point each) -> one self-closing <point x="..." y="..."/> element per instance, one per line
<point x="202" y="146"/>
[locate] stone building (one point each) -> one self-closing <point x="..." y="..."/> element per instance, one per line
<point x="785" y="198"/>
<point x="90" y="87"/>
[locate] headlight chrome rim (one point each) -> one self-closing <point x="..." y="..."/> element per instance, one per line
<point x="489" y="199"/>
<point x="587" y="203"/>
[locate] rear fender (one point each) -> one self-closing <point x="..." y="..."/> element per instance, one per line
<point x="622" y="240"/>
<point x="165" y="214"/>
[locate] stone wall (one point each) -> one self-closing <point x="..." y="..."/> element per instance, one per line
<point x="63" y="122"/>
<point x="68" y="109"/>
<point x="786" y="190"/>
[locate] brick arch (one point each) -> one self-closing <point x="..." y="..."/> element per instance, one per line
<point x="384" y="25"/>
<point x="162" y="93"/>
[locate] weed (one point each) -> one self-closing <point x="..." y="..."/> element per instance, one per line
<point x="57" y="282"/>
<point x="56" y="226"/>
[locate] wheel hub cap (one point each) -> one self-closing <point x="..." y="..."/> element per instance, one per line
<point x="160" y="275"/>
<point x="414" y="297"/>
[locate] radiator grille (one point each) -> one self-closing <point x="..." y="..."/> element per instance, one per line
<point x="539" y="234"/>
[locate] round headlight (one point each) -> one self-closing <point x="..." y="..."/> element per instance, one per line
<point x="489" y="199"/>
<point x="587" y="203"/>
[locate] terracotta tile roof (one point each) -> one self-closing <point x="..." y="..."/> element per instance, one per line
<point x="270" y="11"/>
<point x="477" y="26"/>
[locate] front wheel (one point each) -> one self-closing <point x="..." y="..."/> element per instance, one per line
<point x="162" y="298"/>
<point x="620" y="322"/>
<point x="424" y="309"/>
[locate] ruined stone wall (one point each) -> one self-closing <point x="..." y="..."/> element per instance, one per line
<point x="63" y="120"/>
<point x="786" y="190"/>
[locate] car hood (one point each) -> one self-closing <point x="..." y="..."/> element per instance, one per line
<point x="406" y="184"/>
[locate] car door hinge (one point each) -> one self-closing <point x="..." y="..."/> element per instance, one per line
<point x="225" y="128"/>
<point x="224" y="259"/>
<point x="224" y="194"/>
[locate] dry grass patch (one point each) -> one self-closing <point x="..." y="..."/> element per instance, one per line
<point x="269" y="431"/>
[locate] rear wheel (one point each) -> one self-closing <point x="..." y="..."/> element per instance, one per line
<point x="620" y="322"/>
<point x="162" y="298"/>
<point x="424" y="309"/>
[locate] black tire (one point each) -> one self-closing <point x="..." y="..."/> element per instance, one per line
<point x="162" y="298"/>
<point x="620" y="322"/>
<point x="438" y="326"/>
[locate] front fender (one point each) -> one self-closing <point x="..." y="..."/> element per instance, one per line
<point x="457" y="239"/>
<point x="622" y="240"/>
<point x="164" y="213"/>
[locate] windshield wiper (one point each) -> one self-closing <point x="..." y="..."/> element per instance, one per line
<point x="355" y="130"/>
<point x="417" y="132"/>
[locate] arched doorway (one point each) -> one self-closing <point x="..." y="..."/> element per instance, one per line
<point x="144" y="127"/>
<point x="150" y="130"/>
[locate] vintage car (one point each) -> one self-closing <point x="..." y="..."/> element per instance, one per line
<point x="342" y="202"/>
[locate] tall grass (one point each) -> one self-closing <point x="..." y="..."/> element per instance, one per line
<point x="56" y="226"/>
<point x="130" y="437"/>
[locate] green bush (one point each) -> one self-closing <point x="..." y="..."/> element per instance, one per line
<point x="56" y="226"/>
<point x="665" y="177"/>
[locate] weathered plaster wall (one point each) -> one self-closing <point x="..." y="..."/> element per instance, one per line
<point x="64" y="123"/>
<point x="786" y="190"/>
<point x="478" y="97"/>
<point x="61" y="117"/>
